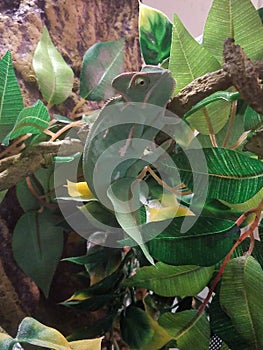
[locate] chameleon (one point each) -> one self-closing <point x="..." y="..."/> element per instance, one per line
<point x="117" y="144"/>
<point x="121" y="120"/>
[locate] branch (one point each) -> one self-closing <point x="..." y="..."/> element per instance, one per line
<point x="245" y="80"/>
<point x="198" y="89"/>
<point x="243" y="74"/>
<point x="15" y="168"/>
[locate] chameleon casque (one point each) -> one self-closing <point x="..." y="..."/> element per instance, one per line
<point x="120" y="142"/>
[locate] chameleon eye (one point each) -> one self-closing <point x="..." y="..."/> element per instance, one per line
<point x="139" y="81"/>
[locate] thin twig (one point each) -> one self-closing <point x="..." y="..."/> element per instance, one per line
<point x="245" y="235"/>
<point x="210" y="128"/>
<point x="231" y="123"/>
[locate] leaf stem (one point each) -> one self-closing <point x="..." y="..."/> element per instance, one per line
<point x="115" y="344"/>
<point x="241" y="139"/>
<point x="16" y="147"/>
<point x="175" y="190"/>
<point x="49" y="105"/>
<point x="231" y="123"/>
<point x="78" y="105"/>
<point x="65" y="128"/>
<point x="210" y="128"/>
<point x="241" y="238"/>
<point x="37" y="196"/>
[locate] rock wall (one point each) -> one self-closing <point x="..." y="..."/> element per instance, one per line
<point x="73" y="25"/>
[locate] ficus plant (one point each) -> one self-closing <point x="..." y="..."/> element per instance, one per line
<point x="168" y="184"/>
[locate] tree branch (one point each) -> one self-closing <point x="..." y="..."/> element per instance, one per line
<point x="245" y="80"/>
<point x="15" y="168"/>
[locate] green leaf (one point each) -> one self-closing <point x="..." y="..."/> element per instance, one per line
<point x="90" y="303"/>
<point x="167" y="280"/>
<point x="219" y="95"/>
<point x="195" y="61"/>
<point x="205" y="243"/>
<point x="40" y="182"/>
<point x="119" y="194"/>
<point x="228" y="19"/>
<point x="233" y="177"/>
<point x="190" y="330"/>
<point x="97" y="255"/>
<point x="155" y="30"/>
<point x="160" y="336"/>
<point x="25" y="197"/>
<point x="2" y="195"/>
<point x="54" y="76"/>
<point x="135" y="327"/>
<point x="99" y="215"/>
<point x="101" y="326"/>
<point x="44" y="178"/>
<point x="210" y="119"/>
<point x="111" y="282"/>
<point x="237" y="128"/>
<point x="257" y="251"/>
<point x="252" y="119"/>
<point x="33" y="332"/>
<point x="11" y="102"/>
<point x="241" y="298"/>
<point x="101" y="63"/>
<point x="33" y="120"/>
<point x="44" y="242"/>
<point x="223" y="327"/>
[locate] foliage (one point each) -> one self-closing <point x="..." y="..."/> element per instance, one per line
<point x="31" y="331"/>
<point x="169" y="215"/>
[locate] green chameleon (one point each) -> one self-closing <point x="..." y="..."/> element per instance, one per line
<point x="120" y="142"/>
<point x="123" y="118"/>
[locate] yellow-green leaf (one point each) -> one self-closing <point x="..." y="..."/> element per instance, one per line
<point x="87" y="344"/>
<point x="241" y="298"/>
<point x="160" y="336"/>
<point x="155" y="31"/>
<point x="190" y="330"/>
<point x="55" y="77"/>
<point x="6" y="341"/>
<point x="234" y="19"/>
<point x="33" y="332"/>
<point x="188" y="59"/>
<point x="79" y="189"/>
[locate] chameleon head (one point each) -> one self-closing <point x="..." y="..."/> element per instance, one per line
<point x="152" y="84"/>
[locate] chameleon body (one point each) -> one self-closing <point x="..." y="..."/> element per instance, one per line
<point x="113" y="141"/>
<point x="119" y="144"/>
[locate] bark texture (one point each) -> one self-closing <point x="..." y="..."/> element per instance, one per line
<point x="73" y="26"/>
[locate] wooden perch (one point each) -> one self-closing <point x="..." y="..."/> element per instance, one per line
<point x="244" y="75"/>
<point x="15" y="168"/>
<point x="237" y="71"/>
